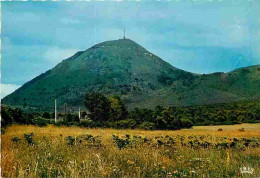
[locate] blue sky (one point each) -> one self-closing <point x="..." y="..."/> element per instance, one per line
<point x="200" y="36"/>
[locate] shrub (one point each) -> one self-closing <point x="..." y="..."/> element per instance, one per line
<point x="70" y="140"/>
<point x="123" y="124"/>
<point x="186" y="123"/>
<point x="87" y="123"/>
<point x="6" y="116"/>
<point x="60" y="123"/>
<point x="121" y="143"/>
<point x="29" y="138"/>
<point x="16" y="139"/>
<point x="40" y="121"/>
<point x="46" y="115"/>
<point x="147" y="126"/>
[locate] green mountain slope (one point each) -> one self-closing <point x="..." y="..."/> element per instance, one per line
<point x="141" y="78"/>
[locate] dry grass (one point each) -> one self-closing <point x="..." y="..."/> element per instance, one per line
<point x="51" y="156"/>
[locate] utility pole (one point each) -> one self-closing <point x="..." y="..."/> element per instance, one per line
<point x="55" y="112"/>
<point x="79" y="113"/>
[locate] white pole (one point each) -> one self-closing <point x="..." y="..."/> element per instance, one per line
<point x="79" y="113"/>
<point x="55" y="112"/>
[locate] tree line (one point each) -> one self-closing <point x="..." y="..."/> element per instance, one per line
<point x="111" y="112"/>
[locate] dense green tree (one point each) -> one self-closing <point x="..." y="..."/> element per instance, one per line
<point x="46" y="115"/>
<point x="117" y="108"/>
<point x="142" y="115"/>
<point x="186" y="122"/>
<point x="83" y="114"/>
<point x="98" y="106"/>
<point x="17" y="116"/>
<point x="110" y="112"/>
<point x="6" y="116"/>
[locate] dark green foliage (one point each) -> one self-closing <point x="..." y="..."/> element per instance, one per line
<point x="16" y="139"/>
<point x="186" y="122"/>
<point x="141" y="115"/>
<point x="123" y="124"/>
<point x="88" y="140"/>
<point x="195" y="142"/>
<point x="6" y="116"/>
<point x="71" y="118"/>
<point x="83" y="114"/>
<point x="70" y="140"/>
<point x="87" y="123"/>
<point x="29" y="138"/>
<point x="174" y="117"/>
<point x="117" y="108"/>
<point x="17" y="115"/>
<point x="245" y="71"/>
<point x="28" y="118"/>
<point x="14" y="115"/>
<point x="147" y="126"/>
<point x="46" y="115"/>
<point x="98" y="106"/>
<point x="120" y="142"/>
<point x="61" y="123"/>
<point x="165" y="78"/>
<point x="41" y="122"/>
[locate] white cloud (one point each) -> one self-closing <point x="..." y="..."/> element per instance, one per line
<point x="56" y="54"/>
<point x="7" y="89"/>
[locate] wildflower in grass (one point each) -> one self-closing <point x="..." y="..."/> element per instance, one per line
<point x="130" y="162"/>
<point x="163" y="167"/>
<point x="246" y="170"/>
<point x="105" y="173"/>
<point x="114" y="168"/>
<point x="197" y="159"/>
<point x="169" y="174"/>
<point x="193" y="172"/>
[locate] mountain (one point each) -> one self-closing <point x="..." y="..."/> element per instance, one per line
<point x="142" y="79"/>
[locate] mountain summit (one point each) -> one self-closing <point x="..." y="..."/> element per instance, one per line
<point x="142" y="79"/>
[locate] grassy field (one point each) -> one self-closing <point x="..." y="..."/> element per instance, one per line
<point x="78" y="152"/>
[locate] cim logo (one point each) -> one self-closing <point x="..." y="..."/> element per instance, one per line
<point x="246" y="170"/>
